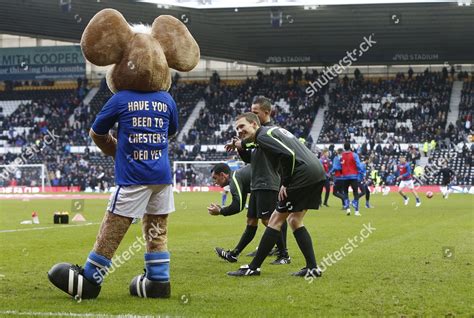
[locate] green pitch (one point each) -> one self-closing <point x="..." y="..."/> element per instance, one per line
<point x="416" y="262"/>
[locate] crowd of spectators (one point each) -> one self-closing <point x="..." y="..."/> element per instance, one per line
<point x="52" y="114"/>
<point x="429" y="92"/>
<point x="224" y="101"/>
<point x="60" y="110"/>
<point x="466" y="107"/>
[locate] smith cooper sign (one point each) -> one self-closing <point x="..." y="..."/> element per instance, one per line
<point x="42" y="62"/>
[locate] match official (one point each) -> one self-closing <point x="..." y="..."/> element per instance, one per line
<point x="302" y="180"/>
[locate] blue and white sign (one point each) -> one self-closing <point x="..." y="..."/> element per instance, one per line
<point x="42" y="62"/>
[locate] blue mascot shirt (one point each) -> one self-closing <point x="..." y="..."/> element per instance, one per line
<point x="145" y="120"/>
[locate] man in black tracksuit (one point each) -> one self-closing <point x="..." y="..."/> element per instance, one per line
<point x="302" y="181"/>
<point x="265" y="183"/>
<point x="447" y="175"/>
<point x="239" y="184"/>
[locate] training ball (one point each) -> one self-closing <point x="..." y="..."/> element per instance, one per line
<point x="429" y="194"/>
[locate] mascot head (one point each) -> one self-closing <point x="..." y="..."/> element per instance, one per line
<point x="141" y="55"/>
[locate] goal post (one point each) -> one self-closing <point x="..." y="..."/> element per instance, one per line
<point x="25" y="175"/>
<point x="198" y="173"/>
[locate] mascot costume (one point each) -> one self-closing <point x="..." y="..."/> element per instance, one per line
<point x="147" y="116"/>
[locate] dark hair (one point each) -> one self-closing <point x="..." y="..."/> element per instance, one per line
<point x="265" y="103"/>
<point x="339" y="150"/>
<point x="250" y="117"/>
<point x="347" y="146"/>
<point x="221" y="167"/>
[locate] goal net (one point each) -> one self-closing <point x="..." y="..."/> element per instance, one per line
<point x="198" y="173"/>
<point x="28" y="175"/>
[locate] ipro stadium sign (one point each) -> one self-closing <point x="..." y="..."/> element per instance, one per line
<point x="42" y="62"/>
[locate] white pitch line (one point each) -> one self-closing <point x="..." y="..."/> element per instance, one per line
<point x="71" y="314"/>
<point x="46" y="228"/>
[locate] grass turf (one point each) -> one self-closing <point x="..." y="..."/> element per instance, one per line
<point x="418" y="261"/>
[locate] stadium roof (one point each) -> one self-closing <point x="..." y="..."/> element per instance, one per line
<point x="310" y="4"/>
<point x="405" y="33"/>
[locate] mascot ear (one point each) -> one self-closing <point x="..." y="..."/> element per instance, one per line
<point x="179" y="46"/>
<point x="105" y="38"/>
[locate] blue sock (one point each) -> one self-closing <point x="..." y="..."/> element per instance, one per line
<point x="355" y="204"/>
<point x="417" y="199"/>
<point x="157" y="266"/>
<point x="224" y="198"/>
<point x="405" y="197"/>
<point x="96" y="268"/>
<point x="346" y="203"/>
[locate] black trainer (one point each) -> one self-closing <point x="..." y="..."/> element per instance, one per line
<point x="70" y="279"/>
<point x="244" y="270"/>
<point x="227" y="255"/>
<point x="282" y="260"/>
<point x="145" y="288"/>
<point x="306" y="272"/>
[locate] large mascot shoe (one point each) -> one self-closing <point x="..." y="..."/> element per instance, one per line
<point x="143" y="287"/>
<point x="69" y="278"/>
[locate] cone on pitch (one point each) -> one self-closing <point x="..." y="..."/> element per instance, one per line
<point x="78" y="218"/>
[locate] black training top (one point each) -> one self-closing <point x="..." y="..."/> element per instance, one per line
<point x="265" y="175"/>
<point x="299" y="166"/>
<point x="239" y="188"/>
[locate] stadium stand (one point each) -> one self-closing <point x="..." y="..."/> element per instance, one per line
<point x="224" y="101"/>
<point x="403" y="109"/>
<point x="382" y="109"/>
<point x="466" y="106"/>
